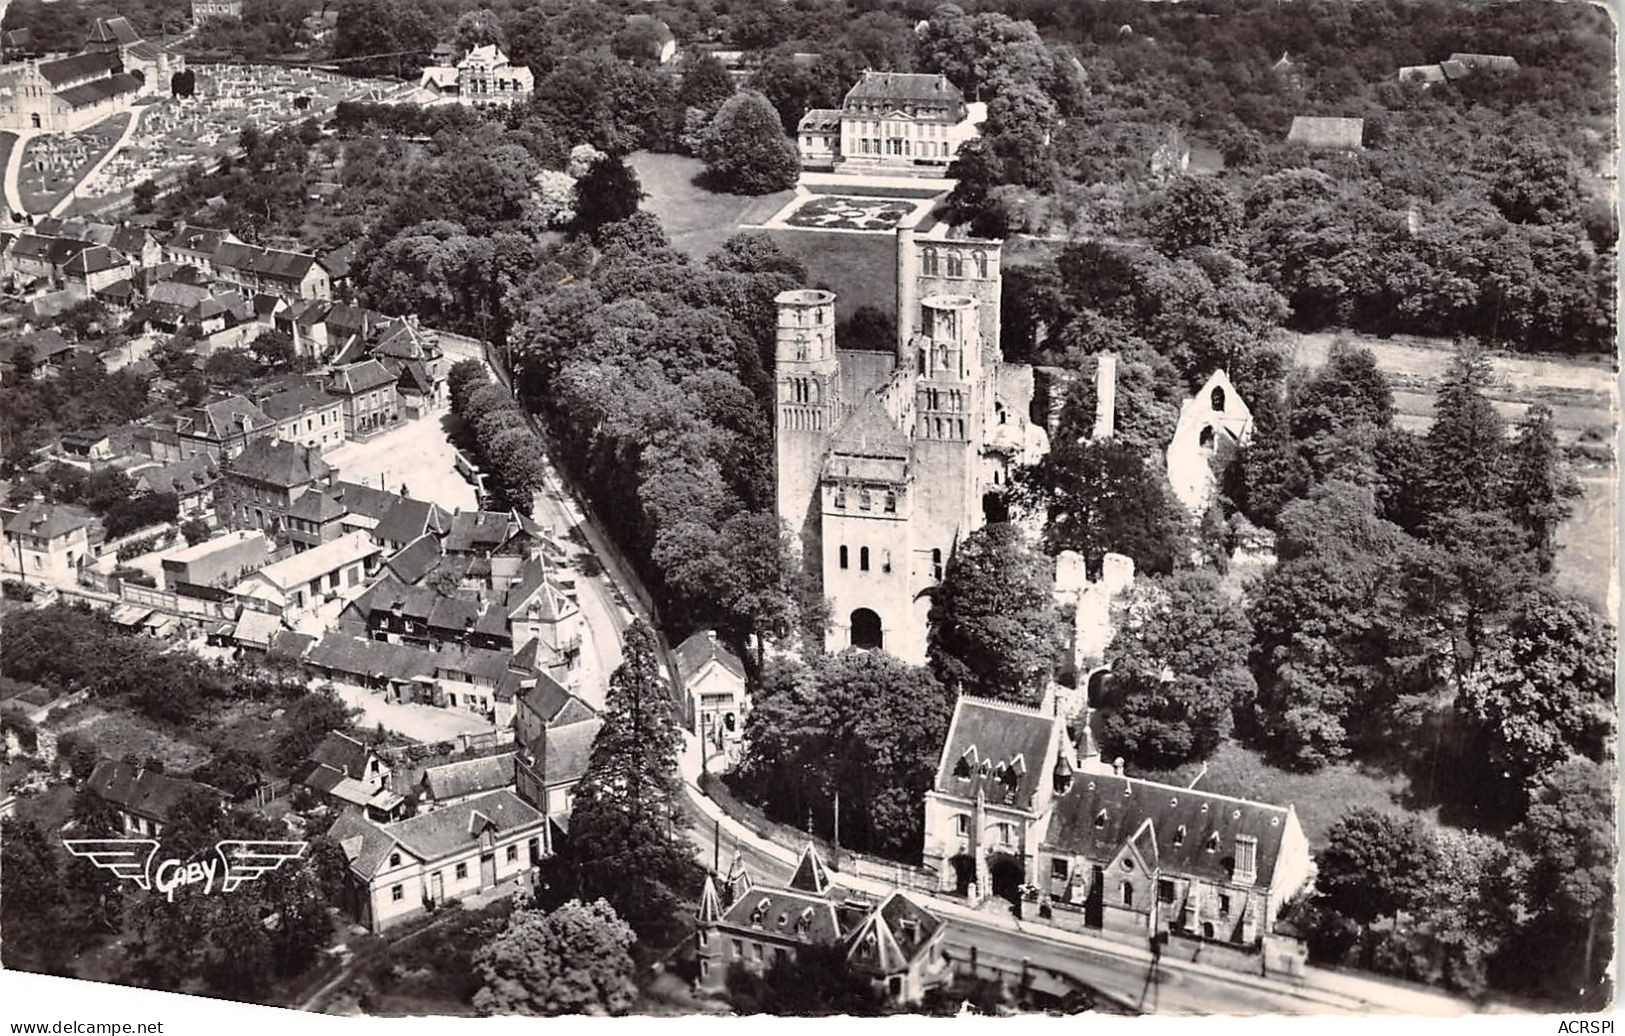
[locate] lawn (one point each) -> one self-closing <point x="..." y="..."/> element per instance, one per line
<point x="697" y="221"/>
<point x="1588" y="563"/>
<point x="1319" y="798"/>
<point x="42" y="189"/>
<point x="860" y="268"/>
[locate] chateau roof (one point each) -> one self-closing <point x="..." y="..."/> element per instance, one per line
<point x="811" y="874"/>
<point x="905" y="86"/>
<point x="997" y="748"/>
<point x="1182" y="830"/>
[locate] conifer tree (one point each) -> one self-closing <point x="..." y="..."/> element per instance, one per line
<point x="1467" y="440"/>
<point x="624" y="845"/>
<point x="1541" y="488"/>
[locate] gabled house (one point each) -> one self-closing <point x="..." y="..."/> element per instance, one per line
<point x="713" y="680"/>
<point x="451" y="783"/>
<point x="367" y="391"/>
<point x="401" y="869"/>
<point x="145" y="799"/>
<point x="306" y="415"/>
<point x="351" y="772"/>
<point x="191" y="245"/>
<point x="222" y="429"/>
<point x="92" y="271"/>
<point x="302" y="581"/>
<point x="288" y="275"/>
<point x="260" y="486"/>
<point x="192" y="480"/>
<point x="46" y="541"/>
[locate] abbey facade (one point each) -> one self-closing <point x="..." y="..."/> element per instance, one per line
<point x="886" y="460"/>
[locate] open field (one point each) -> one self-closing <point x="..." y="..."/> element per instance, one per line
<point x="697" y="221"/>
<point x="1588" y="563"/>
<point x="121" y="733"/>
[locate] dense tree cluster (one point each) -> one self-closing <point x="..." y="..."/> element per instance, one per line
<point x="860" y="726"/>
<point x="497" y="434"/>
<point x="572" y="959"/>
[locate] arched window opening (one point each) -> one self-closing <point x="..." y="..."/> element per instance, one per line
<point x="1128" y="894"/>
<point x="980" y="258"/>
<point x="930" y="256"/>
<point x="956" y="264"/>
<point x="843" y="556"/>
<point x="936" y="564"/>
<point x="1206" y="439"/>
<point x="863" y="559"/>
<point x="1218" y="399"/>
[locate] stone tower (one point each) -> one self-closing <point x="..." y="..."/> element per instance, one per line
<point x="808" y="376"/>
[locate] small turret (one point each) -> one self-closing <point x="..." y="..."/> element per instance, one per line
<point x="710" y="911"/>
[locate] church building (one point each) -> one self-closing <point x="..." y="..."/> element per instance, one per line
<point x="885" y="461"/>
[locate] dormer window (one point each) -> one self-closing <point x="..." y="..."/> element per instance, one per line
<point x="1213" y="842"/>
<point x="1179" y="835"/>
<point x="783" y="918"/>
<point x="394" y="859"/>
<point x="964" y="767"/>
<point x="1100" y="820"/>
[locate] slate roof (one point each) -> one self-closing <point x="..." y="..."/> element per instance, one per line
<point x="48" y="345"/>
<point x="811" y="875"/>
<point x="1189" y="832"/>
<point x="339" y="751"/>
<point x="53" y="250"/>
<point x="360" y="656"/>
<point x="892" y="935"/>
<point x="1489" y="62"/>
<point x="291" y="644"/>
<point x="100" y="89"/>
<point x="408" y="520"/>
<point x="700" y="648"/>
<point x="568" y="749"/>
<point x="787" y="913"/>
<point x="415" y="560"/>
<point x="360" y="377"/>
<point x="177" y="293"/>
<point x="401" y="341"/>
<point x="477" y="532"/>
<point x="181" y="477"/>
<point x="449" y="829"/>
<point x="131" y="240"/>
<point x="819" y="120"/>
<point x="870" y="432"/>
<point x="190" y="238"/>
<point x="366" y="844"/>
<point x="889" y="87"/>
<point x="142" y="791"/>
<point x="37" y="518"/>
<point x="469" y="776"/>
<point x="79" y="66"/>
<point x="271" y="263"/>
<point x="279" y="463"/>
<point x="547" y="698"/>
<point x="997" y="747"/>
<point x="295" y="402"/>
<point x="1318" y="131"/>
<point x="317" y="507"/>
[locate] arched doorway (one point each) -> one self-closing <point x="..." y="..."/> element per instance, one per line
<point x="1006" y="875"/>
<point x="866" y="632"/>
<point x="964" y="871"/>
<point x="1099" y="686"/>
<point x="995" y="508"/>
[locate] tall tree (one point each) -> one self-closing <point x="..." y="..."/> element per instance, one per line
<point x="607" y="192"/>
<point x="1099" y="498"/>
<point x="1540" y="487"/>
<point x="745" y="148"/>
<point x="1196" y="212"/>
<point x="995" y="629"/>
<point x="1467" y="438"/>
<point x="1374" y="864"/>
<point x="624" y="845"/>
<point x="573" y="959"/>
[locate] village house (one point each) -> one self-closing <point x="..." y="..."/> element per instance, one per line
<point x="46" y="350"/>
<point x="713" y="680"/>
<point x="288" y="275"/>
<point x="391" y="519"/>
<point x="369" y="396"/>
<point x="896" y="943"/>
<point x="222" y="429"/>
<point x="192" y="481"/>
<point x="1017" y="810"/>
<point x="46" y="541"/>
<point x="891" y="123"/>
<point x="554" y="732"/>
<point x="191" y="245"/>
<point x="402" y="869"/>
<point x="304" y="580"/>
<point x="145" y="799"/>
<point x="484" y="78"/>
<point x="306" y="415"/>
<point x="351" y="773"/>
<point x="451" y="783"/>
<point x="260" y="486"/>
<point x="468" y="679"/>
<point x="137" y="244"/>
<point x="35" y="261"/>
<point x="92" y="271"/>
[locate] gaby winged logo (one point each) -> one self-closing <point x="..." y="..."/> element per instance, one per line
<point x="238" y="861"/>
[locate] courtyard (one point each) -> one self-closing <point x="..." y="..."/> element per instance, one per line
<point x="415" y="455"/>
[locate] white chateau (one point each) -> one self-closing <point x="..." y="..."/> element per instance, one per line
<point x="883" y="460"/>
<point x="484" y="78"/>
<point x="893" y="124"/>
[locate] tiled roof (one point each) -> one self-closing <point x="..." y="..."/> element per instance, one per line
<point x="339" y="751"/>
<point x="547" y="699"/>
<point x="469" y="776"/>
<point x="138" y="790"/>
<point x="256" y="628"/>
<point x="222" y="418"/>
<point x="79" y="66"/>
<point x="94" y="259"/>
<point x="699" y="649"/>
<point x="892" y="935"/>
<point x="365" y="843"/>
<point x="53" y="250"/>
<point x="177" y="293"/>
<point x="359" y="656"/>
<point x="131" y="240"/>
<point x="402" y="341"/>
<point x="478" y="532"/>
<point x="197" y="239"/>
<point x="86" y="94"/>
<point x="279" y="463"/>
<point x="181" y="477"/>
<point x="998" y="748"/>
<point x="870" y="432"/>
<point x="1189" y="832"/>
<point x="317" y="507"/>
